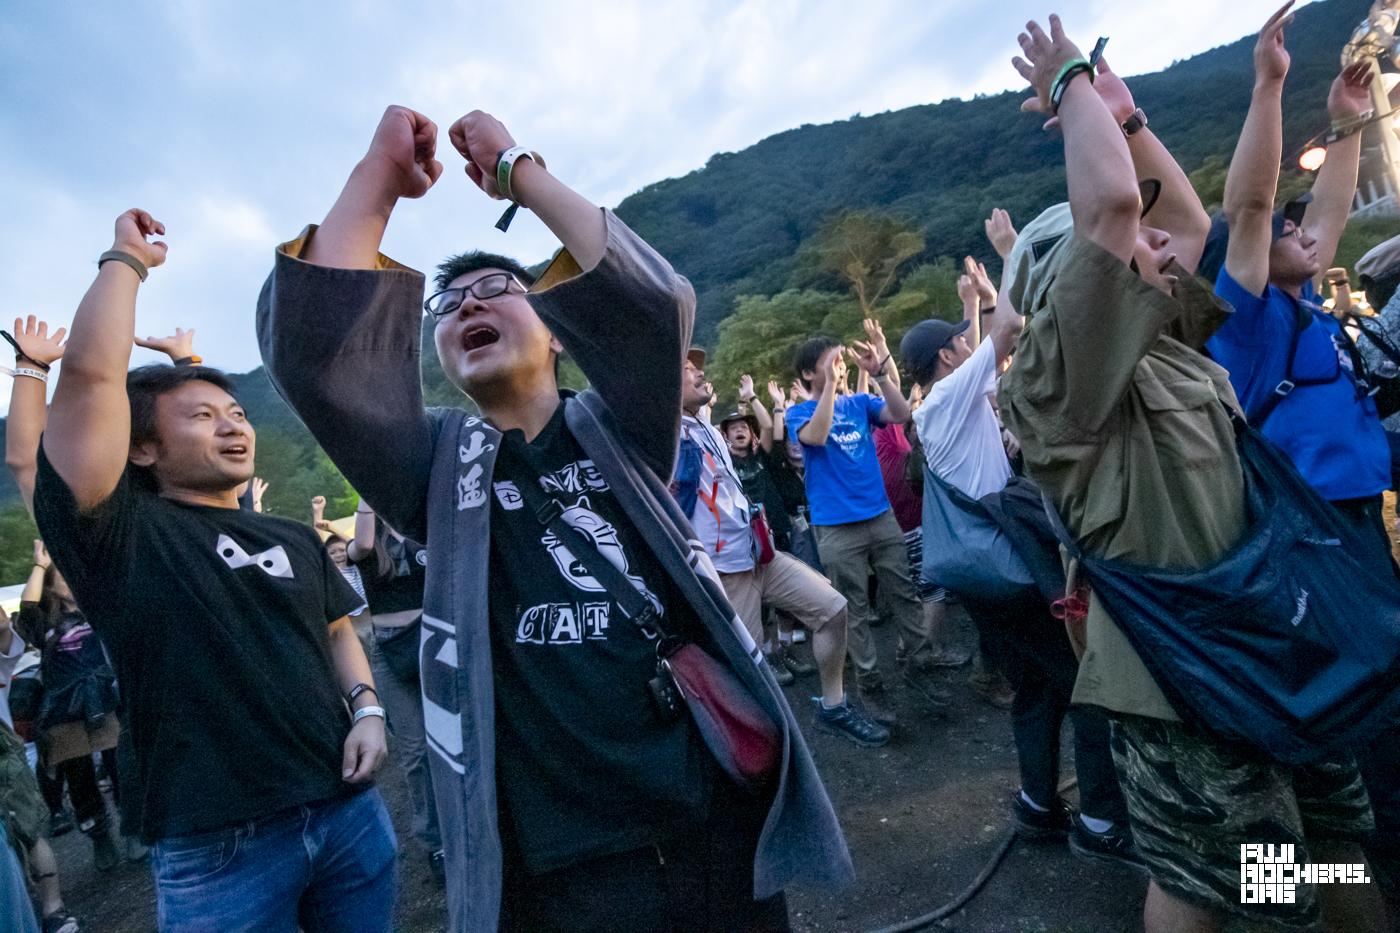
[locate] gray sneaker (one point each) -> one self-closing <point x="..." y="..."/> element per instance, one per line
<point x="847" y="721"/>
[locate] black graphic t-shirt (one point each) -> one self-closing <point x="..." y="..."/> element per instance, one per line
<point x="217" y="621"/>
<point x="584" y="766"/>
<point x="762" y="474"/>
<point x="402" y="587"/>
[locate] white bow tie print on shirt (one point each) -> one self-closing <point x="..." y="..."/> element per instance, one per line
<point x="273" y="562"/>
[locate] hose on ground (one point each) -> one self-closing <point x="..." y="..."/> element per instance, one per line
<point x="968" y="893"/>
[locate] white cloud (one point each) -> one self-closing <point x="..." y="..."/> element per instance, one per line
<point x="237" y="124"/>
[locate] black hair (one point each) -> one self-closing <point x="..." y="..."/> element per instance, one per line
<point x="146" y="384"/>
<point x="809" y="355"/>
<point x="454" y="267"/>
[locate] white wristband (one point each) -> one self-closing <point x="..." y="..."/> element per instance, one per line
<point x="31" y="373"/>
<point x="364" y="712"/>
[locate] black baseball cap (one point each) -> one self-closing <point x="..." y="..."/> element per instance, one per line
<point x="1218" y="240"/>
<point x="920" y="347"/>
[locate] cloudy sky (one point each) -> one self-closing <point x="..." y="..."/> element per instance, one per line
<point x="236" y="123"/>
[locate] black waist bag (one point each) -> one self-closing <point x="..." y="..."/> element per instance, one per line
<point x="1289" y="643"/>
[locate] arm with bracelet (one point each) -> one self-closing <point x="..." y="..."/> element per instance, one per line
<point x="89" y="427"/>
<point x="35" y="352"/>
<point x="365" y="746"/>
<point x="1349" y="106"/>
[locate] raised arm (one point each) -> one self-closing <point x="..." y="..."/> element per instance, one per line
<point x="1326" y="217"/>
<point x="972" y="305"/>
<point x="778" y="419"/>
<point x="89" y="427"/>
<point x="1178" y="208"/>
<point x="1252" y="182"/>
<point x="401" y="163"/>
<point x="815" y="432"/>
<point x="1004" y="323"/>
<point x="577" y="222"/>
<point x="760" y="414"/>
<point x="1103" y="190"/>
<point x="875" y="359"/>
<point x="38" y="350"/>
<point x="340" y="328"/>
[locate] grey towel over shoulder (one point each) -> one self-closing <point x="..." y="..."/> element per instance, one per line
<point x="342" y="346"/>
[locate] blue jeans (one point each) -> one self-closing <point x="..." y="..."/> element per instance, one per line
<point x="327" y="867"/>
<point x="16" y="913"/>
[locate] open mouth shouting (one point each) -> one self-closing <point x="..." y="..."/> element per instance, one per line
<point x="476" y="336"/>
<point x="236" y="451"/>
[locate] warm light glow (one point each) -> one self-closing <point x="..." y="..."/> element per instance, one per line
<point x="1312" y="159"/>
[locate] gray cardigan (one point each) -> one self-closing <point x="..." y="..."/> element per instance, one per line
<point x="342" y="346"/>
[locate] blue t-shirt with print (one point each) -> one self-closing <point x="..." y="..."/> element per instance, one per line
<point x="843" y="476"/>
<point x="1330" y="428"/>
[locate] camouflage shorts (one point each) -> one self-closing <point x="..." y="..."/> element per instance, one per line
<point x="1194" y="801"/>
<point x="21" y="805"/>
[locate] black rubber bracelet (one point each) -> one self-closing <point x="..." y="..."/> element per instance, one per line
<point x="358" y="689"/>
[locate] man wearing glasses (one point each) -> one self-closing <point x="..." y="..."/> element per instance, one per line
<point x="1294" y="368"/>
<point x="566" y="801"/>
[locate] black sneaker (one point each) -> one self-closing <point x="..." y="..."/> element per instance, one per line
<point x="60" y="823"/>
<point x="1115" y="845"/>
<point x="845" y="720"/>
<point x="1033" y="824"/>
<point x="437" y="865"/>
<point x="780" y="673"/>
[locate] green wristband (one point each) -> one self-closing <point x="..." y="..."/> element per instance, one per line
<point x="1068" y="72"/>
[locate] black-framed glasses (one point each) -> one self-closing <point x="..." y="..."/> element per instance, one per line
<point x="485" y="288"/>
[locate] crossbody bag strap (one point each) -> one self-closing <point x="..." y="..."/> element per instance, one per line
<point x="550" y="513"/>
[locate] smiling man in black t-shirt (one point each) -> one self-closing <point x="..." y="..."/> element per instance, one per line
<point x="230" y="634"/>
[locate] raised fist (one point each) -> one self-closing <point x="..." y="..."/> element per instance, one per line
<point x="132" y="229"/>
<point x="481" y="139"/>
<point x="404" y="150"/>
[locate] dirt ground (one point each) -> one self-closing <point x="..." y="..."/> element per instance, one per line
<point x="922" y="817"/>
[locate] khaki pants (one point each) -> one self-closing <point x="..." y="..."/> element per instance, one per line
<point x="784" y="583"/>
<point x="850" y="553"/>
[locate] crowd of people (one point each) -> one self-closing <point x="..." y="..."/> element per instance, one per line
<point x="1148" y="464"/>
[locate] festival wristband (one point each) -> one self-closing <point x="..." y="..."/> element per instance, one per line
<point x="364" y="712"/>
<point x="505" y="164"/>
<point x="1068" y="72"/>
<point x="31" y="373"/>
<point x="191" y="360"/>
<point x="125" y="259"/>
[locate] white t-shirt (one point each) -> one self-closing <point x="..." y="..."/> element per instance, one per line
<point x="8" y="660"/>
<point x="958" y="427"/>
<point x="721" y="518"/>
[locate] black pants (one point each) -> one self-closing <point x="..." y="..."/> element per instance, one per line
<point x="1380" y="760"/>
<point x="1041" y="667"/>
<point x="80" y="777"/>
<point x="700" y="881"/>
